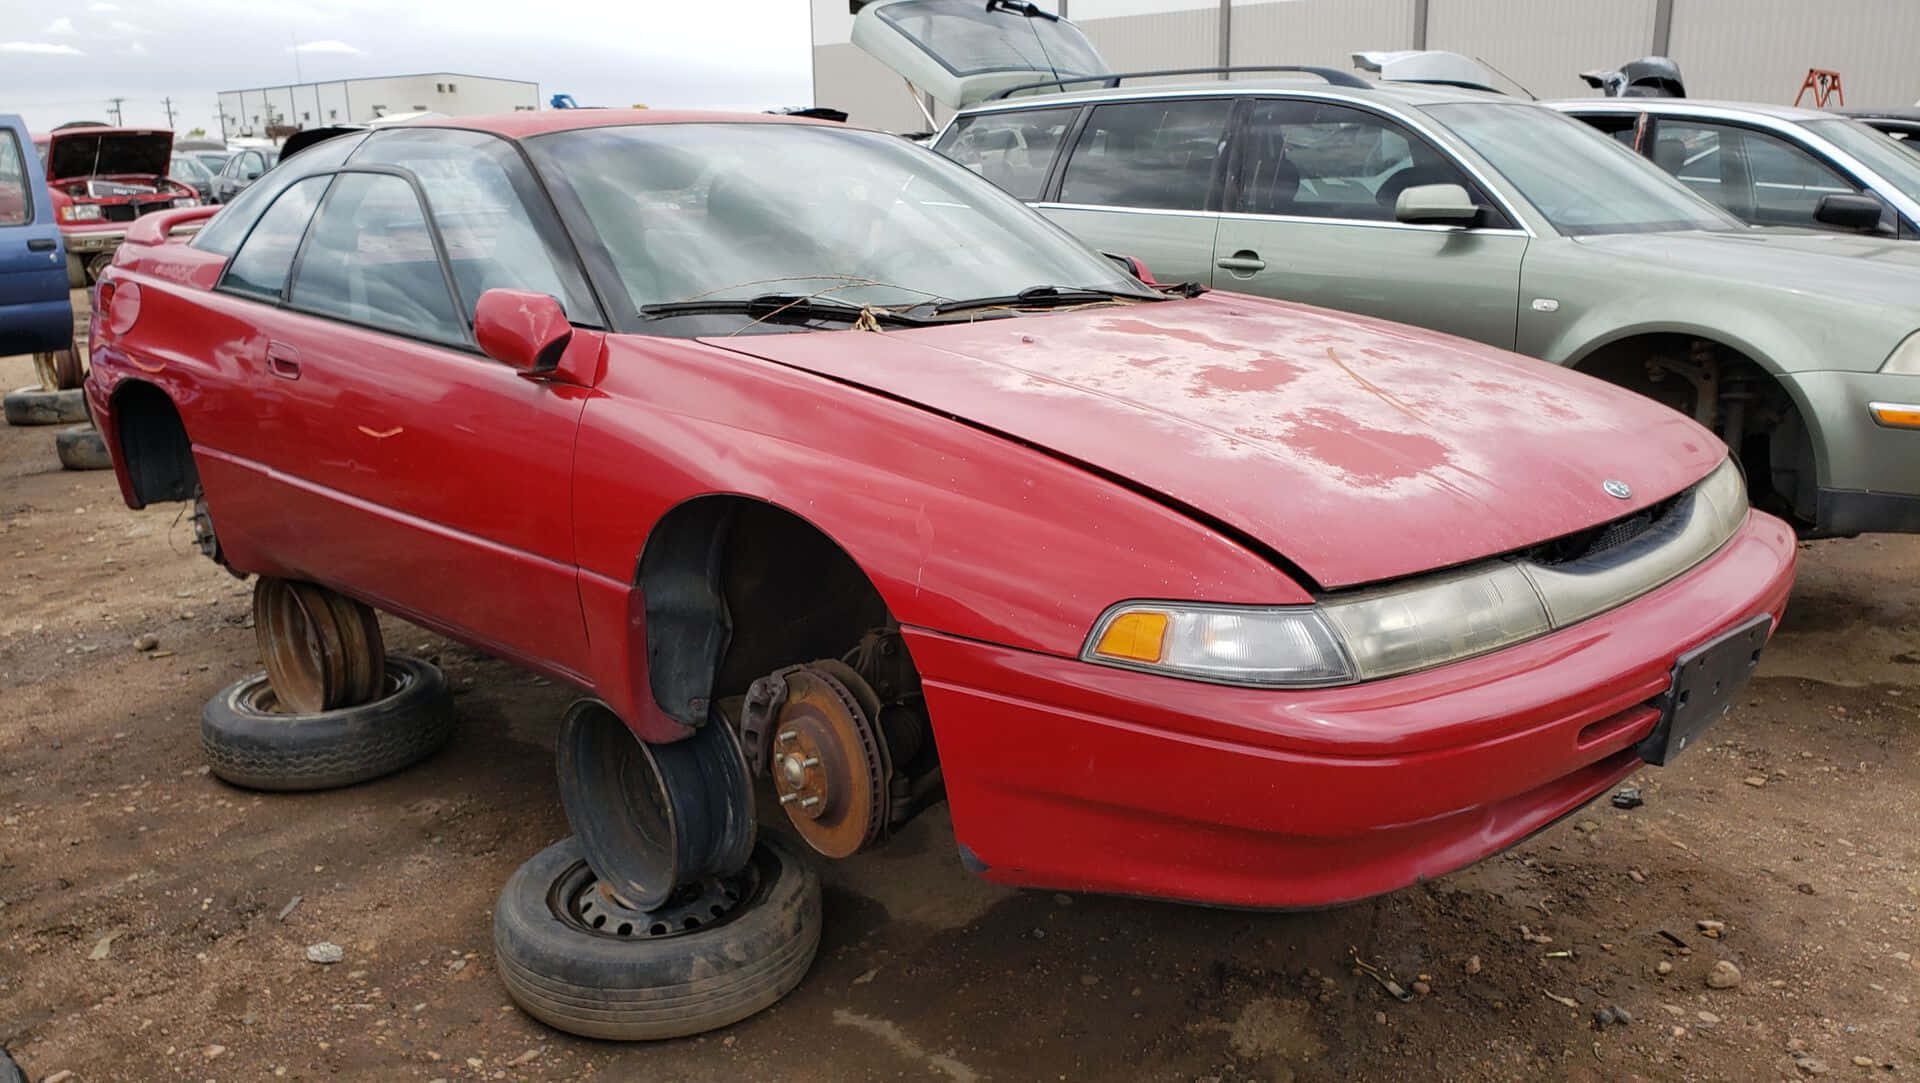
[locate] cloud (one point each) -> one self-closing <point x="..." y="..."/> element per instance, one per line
<point x="327" y="45"/>
<point x="103" y="9"/>
<point x="121" y="26"/>
<point x="44" y="48"/>
<point x="135" y="49"/>
<point x="62" y="25"/>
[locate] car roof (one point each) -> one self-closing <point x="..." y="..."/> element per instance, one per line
<point x="529" y="122"/>
<point x="1412" y="94"/>
<point x="1695" y="105"/>
<point x="1894" y="113"/>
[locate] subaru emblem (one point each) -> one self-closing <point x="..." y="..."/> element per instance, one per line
<point x="1617" y="489"/>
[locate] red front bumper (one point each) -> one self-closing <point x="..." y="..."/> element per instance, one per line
<point x="1067" y="775"/>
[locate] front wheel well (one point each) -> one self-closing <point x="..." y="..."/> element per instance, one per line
<point x="1732" y="394"/>
<point x="154" y="445"/>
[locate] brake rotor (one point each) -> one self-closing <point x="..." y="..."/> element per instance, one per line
<point x="829" y="764"/>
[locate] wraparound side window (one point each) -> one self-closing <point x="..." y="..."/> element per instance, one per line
<point x="1013" y="149"/>
<point x="260" y="268"/>
<point x="370" y="259"/>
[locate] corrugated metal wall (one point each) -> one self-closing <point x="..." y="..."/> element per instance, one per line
<point x="1760" y="50"/>
<point x="1173" y="39"/>
<point x="1322" y="32"/>
<point x="1545" y="44"/>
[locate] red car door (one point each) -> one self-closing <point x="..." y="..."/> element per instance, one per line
<point x="409" y="468"/>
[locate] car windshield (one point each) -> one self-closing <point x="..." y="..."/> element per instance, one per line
<point x="189" y="168"/>
<point x="969" y="37"/>
<point x="714" y="212"/>
<point x="1581" y="181"/>
<point x="213" y="160"/>
<point x="1877" y="151"/>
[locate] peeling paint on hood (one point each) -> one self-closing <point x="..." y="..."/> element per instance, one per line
<point x="1360" y="450"/>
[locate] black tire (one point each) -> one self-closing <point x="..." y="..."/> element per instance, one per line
<point x="250" y="744"/>
<point x="81" y="448"/>
<point x="599" y="985"/>
<point x="33" y="406"/>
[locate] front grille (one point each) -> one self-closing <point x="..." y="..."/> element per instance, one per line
<point x="119" y="212"/>
<point x="1593" y="541"/>
<point x="155" y="206"/>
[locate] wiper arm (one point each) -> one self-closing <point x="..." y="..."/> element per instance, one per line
<point x="1040" y="297"/>
<point x="780" y="306"/>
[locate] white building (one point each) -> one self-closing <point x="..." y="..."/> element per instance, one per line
<point x="1750" y="50"/>
<point x="249" y="113"/>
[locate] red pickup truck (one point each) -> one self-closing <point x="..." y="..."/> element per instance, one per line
<point x="101" y="180"/>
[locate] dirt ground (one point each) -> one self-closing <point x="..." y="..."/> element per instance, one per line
<point x="144" y="933"/>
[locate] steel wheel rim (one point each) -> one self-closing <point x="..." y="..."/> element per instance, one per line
<point x="582" y="901"/>
<point x="291" y="647"/>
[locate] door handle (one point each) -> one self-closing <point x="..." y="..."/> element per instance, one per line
<point x="1244" y="262"/>
<point x="283" y="361"/>
<point x="40" y="244"/>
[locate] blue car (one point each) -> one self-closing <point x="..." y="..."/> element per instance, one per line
<point x="35" y="313"/>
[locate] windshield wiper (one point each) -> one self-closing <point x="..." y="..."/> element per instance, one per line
<point x="1041" y="297"/>
<point x="785" y="307"/>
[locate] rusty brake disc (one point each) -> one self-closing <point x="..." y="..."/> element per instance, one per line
<point x="830" y="765"/>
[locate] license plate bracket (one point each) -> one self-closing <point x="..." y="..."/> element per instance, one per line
<point x="1706" y="680"/>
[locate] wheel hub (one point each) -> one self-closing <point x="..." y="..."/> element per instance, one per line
<point x="590" y="904"/>
<point x="830" y="766"/>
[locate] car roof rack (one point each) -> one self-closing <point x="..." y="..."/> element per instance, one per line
<point x="1110" y="80"/>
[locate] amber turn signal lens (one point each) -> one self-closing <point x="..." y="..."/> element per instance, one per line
<point x="1898" y="415"/>
<point x="1139" y="636"/>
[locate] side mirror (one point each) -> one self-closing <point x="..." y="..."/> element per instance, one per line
<point x="1848" y="212"/>
<point x="253" y="174"/>
<point x="1436" y="204"/>
<point x="1132" y="266"/>
<point x="521" y="329"/>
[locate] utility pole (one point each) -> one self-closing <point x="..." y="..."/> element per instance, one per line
<point x="168" y="102"/>
<point x="114" y="108"/>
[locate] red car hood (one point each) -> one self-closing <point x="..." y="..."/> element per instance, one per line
<point x="91" y="152"/>
<point x="1358" y="449"/>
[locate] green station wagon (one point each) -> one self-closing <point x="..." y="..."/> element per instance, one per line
<point x="1475" y="214"/>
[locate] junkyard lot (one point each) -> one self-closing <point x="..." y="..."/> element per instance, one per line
<point x="110" y="831"/>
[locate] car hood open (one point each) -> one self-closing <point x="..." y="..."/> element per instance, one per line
<point x="108" y="152"/>
<point x="1359" y="450"/>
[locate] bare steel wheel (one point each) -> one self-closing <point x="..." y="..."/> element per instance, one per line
<point x="653" y="818"/>
<point x="322" y="650"/>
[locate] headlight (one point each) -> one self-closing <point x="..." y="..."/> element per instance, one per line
<point x="187" y="201"/>
<point x="80" y="212"/>
<point x="1421" y="623"/>
<point x="1905" y="358"/>
<point x="1398" y="630"/>
<point x="1275" y="645"/>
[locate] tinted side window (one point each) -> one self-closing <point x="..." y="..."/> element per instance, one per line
<point x="16" y="204"/>
<point x="225" y="230"/>
<point x="370" y="259"/>
<point x="1318" y="160"/>
<point x="1156" y="154"/>
<point x="259" y="269"/>
<point x="1013" y="150"/>
<point x="497" y="226"/>
<point x="1760" y="177"/>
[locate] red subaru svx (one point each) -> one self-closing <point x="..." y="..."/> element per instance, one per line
<point x="1185" y="594"/>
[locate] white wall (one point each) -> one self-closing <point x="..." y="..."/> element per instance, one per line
<point x="1760" y="50"/>
<point x="1546" y="44"/>
<point x="1318" y="32"/>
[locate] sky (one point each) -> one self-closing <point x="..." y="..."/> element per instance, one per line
<point x="62" y="60"/>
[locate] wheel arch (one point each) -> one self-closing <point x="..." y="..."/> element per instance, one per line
<point x="154" y="444"/>
<point x="698" y="565"/>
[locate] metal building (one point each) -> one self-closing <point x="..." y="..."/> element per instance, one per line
<point x="1754" y="50"/>
<point x="251" y="112"/>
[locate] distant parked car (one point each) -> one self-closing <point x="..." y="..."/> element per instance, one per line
<point x="214" y="160"/>
<point x="1771" y="165"/>
<point x="247" y="165"/>
<point x="101" y="179"/>
<point x="35" y="316"/>
<point x="188" y="170"/>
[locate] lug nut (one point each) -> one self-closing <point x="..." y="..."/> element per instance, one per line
<point x="788" y="798"/>
<point x="788" y="737"/>
<point x="810" y="761"/>
<point x="809" y="802"/>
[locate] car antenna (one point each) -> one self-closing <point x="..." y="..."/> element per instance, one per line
<point x="1531" y="96"/>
